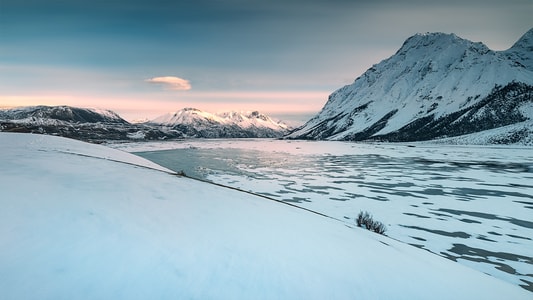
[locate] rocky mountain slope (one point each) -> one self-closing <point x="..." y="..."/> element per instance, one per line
<point x="79" y="123"/>
<point x="436" y="85"/>
<point x="102" y="125"/>
<point x="196" y="123"/>
<point x="59" y="115"/>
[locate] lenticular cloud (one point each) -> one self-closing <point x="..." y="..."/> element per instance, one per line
<point x="171" y="82"/>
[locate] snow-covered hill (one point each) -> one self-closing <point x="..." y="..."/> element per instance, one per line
<point x="196" y="123"/>
<point x="81" y="221"/>
<point x="436" y="85"/>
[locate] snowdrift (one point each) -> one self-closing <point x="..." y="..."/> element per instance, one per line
<point x="81" y="221"/>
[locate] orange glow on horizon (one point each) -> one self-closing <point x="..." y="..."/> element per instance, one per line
<point x="151" y="106"/>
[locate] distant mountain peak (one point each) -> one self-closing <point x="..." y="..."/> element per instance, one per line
<point x="525" y="42"/>
<point x="196" y="123"/>
<point x="522" y="51"/>
<point x="430" y="37"/>
<point x="62" y="113"/>
<point x="438" y="41"/>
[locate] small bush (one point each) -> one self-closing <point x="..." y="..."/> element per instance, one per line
<point x="364" y="219"/>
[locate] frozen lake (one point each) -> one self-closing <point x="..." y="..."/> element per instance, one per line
<point x="471" y="204"/>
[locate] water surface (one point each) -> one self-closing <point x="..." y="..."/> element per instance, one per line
<point x="473" y="205"/>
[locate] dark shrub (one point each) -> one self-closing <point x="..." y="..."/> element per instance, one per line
<point x="364" y="219"/>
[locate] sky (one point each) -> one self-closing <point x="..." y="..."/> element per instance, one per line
<point x="281" y="57"/>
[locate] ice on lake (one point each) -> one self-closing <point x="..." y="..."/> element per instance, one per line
<point x="470" y="204"/>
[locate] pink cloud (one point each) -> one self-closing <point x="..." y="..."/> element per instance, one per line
<point x="172" y="82"/>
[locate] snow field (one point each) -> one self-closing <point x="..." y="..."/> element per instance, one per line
<point x="86" y="222"/>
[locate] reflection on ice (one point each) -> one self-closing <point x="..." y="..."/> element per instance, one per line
<point x="470" y="204"/>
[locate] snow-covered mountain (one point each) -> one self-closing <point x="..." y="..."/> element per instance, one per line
<point x="84" y="221"/>
<point x="80" y="123"/>
<point x="100" y="125"/>
<point x="196" y="123"/>
<point x="59" y="115"/>
<point x="436" y="85"/>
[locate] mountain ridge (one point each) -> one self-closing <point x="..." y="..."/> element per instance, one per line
<point x="431" y="76"/>
<point x="193" y="122"/>
<point x="98" y="125"/>
<point x="57" y="114"/>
